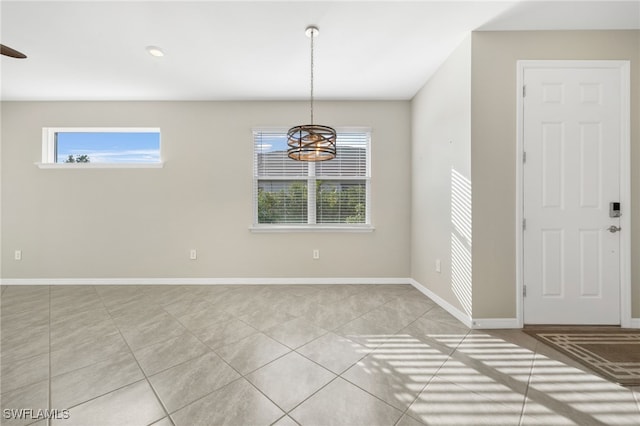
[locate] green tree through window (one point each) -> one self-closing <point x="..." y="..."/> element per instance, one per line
<point x="78" y="159"/>
<point x="287" y="205"/>
<point x="340" y="203"/>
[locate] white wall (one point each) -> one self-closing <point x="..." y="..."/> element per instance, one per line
<point x="141" y="223"/>
<point x="441" y="194"/>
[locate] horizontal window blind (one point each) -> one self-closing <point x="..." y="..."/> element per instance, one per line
<point x="341" y="201"/>
<point x="282" y="201"/>
<point x="297" y="192"/>
<point x="271" y="157"/>
<point x="351" y="158"/>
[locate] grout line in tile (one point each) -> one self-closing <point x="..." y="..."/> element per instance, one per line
<point x="150" y="344"/>
<point x="164" y="408"/>
<point x="74" y="312"/>
<point x="377" y="397"/>
<point x="299" y="346"/>
<point x="354" y="363"/>
<point x="204" y="396"/>
<point x="341" y="372"/>
<point x="635" y="391"/>
<point x="270" y="362"/>
<point x="433" y="376"/>
<point x="209" y="347"/>
<point x="84" y="366"/>
<point x="242" y="376"/>
<point x="156" y="421"/>
<point x="347" y="322"/>
<point x="284" y="416"/>
<point x="70" y="371"/>
<point x="180" y="363"/>
<point x="575" y="414"/>
<point x="104" y="394"/>
<point x="464" y="356"/>
<point x="526" y="391"/>
<point x="264" y="394"/>
<point x="310" y="396"/>
<point x="333" y="380"/>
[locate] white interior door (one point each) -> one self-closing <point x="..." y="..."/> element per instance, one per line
<point x="571" y="174"/>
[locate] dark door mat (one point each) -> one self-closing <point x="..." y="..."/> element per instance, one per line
<point x="611" y="352"/>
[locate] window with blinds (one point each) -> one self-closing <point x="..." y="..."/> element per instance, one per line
<point x="289" y="192"/>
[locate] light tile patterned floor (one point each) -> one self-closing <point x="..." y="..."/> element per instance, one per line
<point x="281" y="355"/>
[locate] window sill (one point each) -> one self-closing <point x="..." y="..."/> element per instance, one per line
<point x="311" y="228"/>
<point x="100" y="165"/>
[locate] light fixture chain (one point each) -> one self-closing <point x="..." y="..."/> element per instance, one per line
<point x="310" y="142"/>
<point x="312" y="34"/>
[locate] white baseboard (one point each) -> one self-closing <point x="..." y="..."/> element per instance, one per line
<point x="198" y="281"/>
<point x="460" y="316"/>
<point x="493" y="323"/>
<point x="486" y="323"/>
<point x="635" y="323"/>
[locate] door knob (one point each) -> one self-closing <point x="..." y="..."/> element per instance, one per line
<point x="613" y="229"/>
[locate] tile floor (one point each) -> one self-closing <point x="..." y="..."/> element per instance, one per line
<point x="281" y="355"/>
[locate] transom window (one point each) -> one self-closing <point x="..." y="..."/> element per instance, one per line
<point x="101" y="146"/>
<point x="303" y="195"/>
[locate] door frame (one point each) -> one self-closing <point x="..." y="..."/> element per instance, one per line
<point x="625" y="176"/>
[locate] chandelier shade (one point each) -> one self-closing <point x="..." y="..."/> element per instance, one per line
<point x="311" y="142"/>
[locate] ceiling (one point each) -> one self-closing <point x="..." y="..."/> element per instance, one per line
<point x="257" y="50"/>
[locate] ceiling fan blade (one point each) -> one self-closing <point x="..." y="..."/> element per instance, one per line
<point x="7" y="51"/>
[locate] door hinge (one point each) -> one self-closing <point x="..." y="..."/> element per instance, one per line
<point x="524" y="91"/>
<point x="524" y="224"/>
<point x="524" y="291"/>
<point x="524" y="157"/>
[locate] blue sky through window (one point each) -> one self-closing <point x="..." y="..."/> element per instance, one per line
<point x="270" y="142"/>
<point x="109" y="147"/>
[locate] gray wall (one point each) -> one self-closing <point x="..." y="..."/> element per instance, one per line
<point x="141" y="223"/>
<point x="493" y="149"/>
<point x="441" y="138"/>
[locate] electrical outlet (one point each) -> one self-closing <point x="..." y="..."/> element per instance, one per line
<point x="193" y="254"/>
<point x="17" y="255"/>
<point x="316" y="254"/>
<point x="438" y="266"/>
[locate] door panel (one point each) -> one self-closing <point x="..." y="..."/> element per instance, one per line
<point x="552" y="165"/>
<point x="590" y="265"/>
<point x="572" y="139"/>
<point x="553" y="263"/>
<point x="590" y="165"/>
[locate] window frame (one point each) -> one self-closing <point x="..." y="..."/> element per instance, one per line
<point x="310" y="180"/>
<point x="49" y="148"/>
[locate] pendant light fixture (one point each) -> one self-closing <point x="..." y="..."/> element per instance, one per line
<point x="311" y="142"/>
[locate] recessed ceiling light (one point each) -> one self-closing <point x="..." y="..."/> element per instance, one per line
<point x="155" y="51"/>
